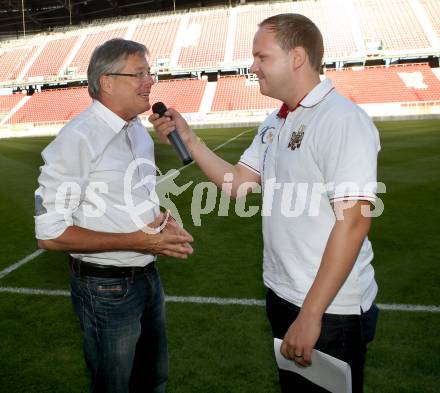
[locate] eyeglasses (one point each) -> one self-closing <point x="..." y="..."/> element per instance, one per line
<point x="138" y="75"/>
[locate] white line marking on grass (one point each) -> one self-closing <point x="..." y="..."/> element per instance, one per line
<point x="408" y="307"/>
<point x="21" y="262"/>
<point x="218" y="300"/>
<point x="233" y="138"/>
<point x="35" y="291"/>
<point x="214" y="300"/>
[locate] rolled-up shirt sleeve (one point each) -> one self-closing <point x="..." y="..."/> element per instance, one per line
<point x="62" y="183"/>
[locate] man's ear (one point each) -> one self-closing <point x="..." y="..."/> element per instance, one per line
<point x="299" y="57"/>
<point x="106" y="84"/>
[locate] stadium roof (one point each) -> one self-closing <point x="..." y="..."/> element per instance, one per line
<point x="45" y="15"/>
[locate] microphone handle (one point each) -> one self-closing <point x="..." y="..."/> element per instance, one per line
<point x="180" y="147"/>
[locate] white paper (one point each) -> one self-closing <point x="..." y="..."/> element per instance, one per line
<point x="326" y="371"/>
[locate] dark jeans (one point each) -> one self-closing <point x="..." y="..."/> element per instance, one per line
<point x="123" y="324"/>
<point x="342" y="336"/>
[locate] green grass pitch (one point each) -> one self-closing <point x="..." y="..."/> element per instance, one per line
<point x="218" y="348"/>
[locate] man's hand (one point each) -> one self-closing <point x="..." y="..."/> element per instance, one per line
<point x="169" y="122"/>
<point x="172" y="240"/>
<point x="301" y="338"/>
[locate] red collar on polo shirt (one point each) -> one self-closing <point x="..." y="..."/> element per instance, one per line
<point x="284" y="110"/>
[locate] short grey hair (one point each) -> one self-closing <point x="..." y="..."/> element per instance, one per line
<point x="110" y="57"/>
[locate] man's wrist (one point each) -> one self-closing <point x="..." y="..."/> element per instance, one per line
<point x="310" y="311"/>
<point x="195" y="143"/>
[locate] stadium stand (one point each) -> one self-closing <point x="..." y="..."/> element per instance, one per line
<point x="334" y="19"/>
<point x="7" y="102"/>
<point x="391" y="23"/>
<point x="400" y="83"/>
<point x="432" y="9"/>
<point x="363" y="85"/>
<point x="219" y="41"/>
<point x="12" y="62"/>
<point x="52" y="106"/>
<point x="238" y="93"/>
<point x="204" y="42"/>
<point x="52" y="57"/>
<point x="158" y="35"/>
<point x="247" y="24"/>
<point x="184" y="95"/>
<point x="81" y="59"/>
<point x="61" y="105"/>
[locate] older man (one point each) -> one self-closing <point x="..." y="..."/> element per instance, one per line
<point x="95" y="197"/>
<point x="318" y="150"/>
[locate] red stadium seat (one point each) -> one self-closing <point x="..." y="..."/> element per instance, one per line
<point x="52" y="57"/>
<point x="391" y="22"/>
<point x="402" y="83"/>
<point x="205" y="39"/>
<point x="8" y="102"/>
<point x="158" y="35"/>
<point x="183" y="95"/>
<point x="52" y="106"/>
<point x="236" y="93"/>
<point x="12" y="62"/>
<point x="432" y="9"/>
<point x="82" y="58"/>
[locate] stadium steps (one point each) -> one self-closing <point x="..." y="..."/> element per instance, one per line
<point x="15" y="109"/>
<point x="50" y="61"/>
<point x="175" y="52"/>
<point x="205" y="39"/>
<point x="158" y="35"/>
<point x="356" y="31"/>
<point x="131" y="29"/>
<point x="232" y="28"/>
<point x="31" y="61"/>
<point x="208" y="97"/>
<point x="94" y="38"/>
<point x="72" y="53"/>
<point x="432" y="10"/>
<point x="392" y="23"/>
<point x="424" y="21"/>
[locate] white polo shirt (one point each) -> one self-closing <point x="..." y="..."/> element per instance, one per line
<point x="324" y="151"/>
<point x="90" y="178"/>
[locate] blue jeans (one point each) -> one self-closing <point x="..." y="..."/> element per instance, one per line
<point x="342" y="336"/>
<point x="123" y="324"/>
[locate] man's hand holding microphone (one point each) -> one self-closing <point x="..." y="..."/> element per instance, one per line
<point x="173" y="129"/>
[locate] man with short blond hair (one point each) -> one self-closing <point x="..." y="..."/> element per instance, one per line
<point x="318" y="149"/>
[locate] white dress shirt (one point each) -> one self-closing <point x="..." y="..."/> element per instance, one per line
<point x="98" y="173"/>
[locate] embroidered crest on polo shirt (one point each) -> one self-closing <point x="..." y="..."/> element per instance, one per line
<point x="266" y="135"/>
<point x="296" y="138"/>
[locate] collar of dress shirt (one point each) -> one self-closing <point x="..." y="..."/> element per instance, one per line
<point x="112" y="119"/>
<point x="318" y="93"/>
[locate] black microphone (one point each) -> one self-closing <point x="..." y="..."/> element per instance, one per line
<point x="174" y="137"/>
